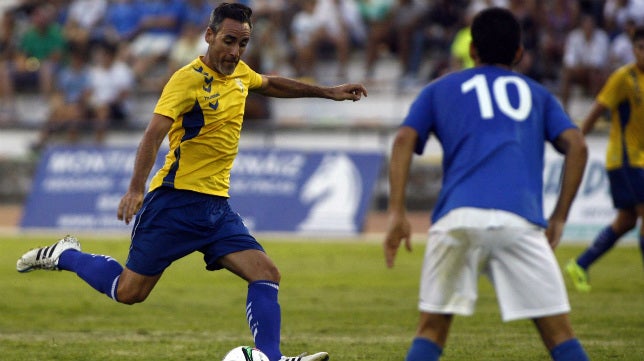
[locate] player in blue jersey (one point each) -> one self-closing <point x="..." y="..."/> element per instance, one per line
<point x="492" y="124"/>
<point x="186" y="207"/>
<point x="622" y="96"/>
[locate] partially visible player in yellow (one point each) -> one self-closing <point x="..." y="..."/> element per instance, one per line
<point x="623" y="96"/>
<point x="201" y="110"/>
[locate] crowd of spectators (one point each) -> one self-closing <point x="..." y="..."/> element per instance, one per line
<point x="87" y="57"/>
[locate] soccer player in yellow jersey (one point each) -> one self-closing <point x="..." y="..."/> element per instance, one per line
<point x="201" y="111"/>
<point x="623" y="96"/>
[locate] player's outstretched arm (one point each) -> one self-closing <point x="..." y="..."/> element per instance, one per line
<point x="281" y="87"/>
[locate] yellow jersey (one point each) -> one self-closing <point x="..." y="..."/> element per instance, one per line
<point x="623" y="94"/>
<point x="208" y="111"/>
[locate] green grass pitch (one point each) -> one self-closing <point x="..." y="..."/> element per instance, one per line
<point x="336" y="296"/>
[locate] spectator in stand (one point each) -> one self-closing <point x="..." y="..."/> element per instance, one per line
<point x="68" y="102"/>
<point x="460" y="47"/>
<point x="618" y="12"/>
<point x="157" y="31"/>
<point x="120" y="22"/>
<point x="376" y="15"/>
<point x="83" y="18"/>
<point x="344" y="27"/>
<point x="483" y="4"/>
<point x="40" y="49"/>
<point x="527" y="13"/>
<point x="407" y="18"/>
<point x="195" y="13"/>
<point x="305" y="30"/>
<point x="190" y="43"/>
<point x="621" y="48"/>
<point x="560" y="17"/>
<point x="8" y="44"/>
<point x="439" y="26"/>
<point x="111" y="82"/>
<point x="585" y="59"/>
<point x="322" y="23"/>
<point x="272" y="53"/>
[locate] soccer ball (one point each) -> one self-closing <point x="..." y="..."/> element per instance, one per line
<point x="245" y="353"/>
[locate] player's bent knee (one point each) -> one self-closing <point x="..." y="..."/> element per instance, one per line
<point x="273" y="274"/>
<point x="132" y="295"/>
<point x="130" y="298"/>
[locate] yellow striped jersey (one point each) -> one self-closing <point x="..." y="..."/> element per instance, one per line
<point x="208" y="110"/>
<point x="623" y="94"/>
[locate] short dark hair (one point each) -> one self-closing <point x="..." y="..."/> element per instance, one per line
<point x="235" y="11"/>
<point x="638" y="34"/>
<point x="496" y="36"/>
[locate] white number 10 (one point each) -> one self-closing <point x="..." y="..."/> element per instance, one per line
<point x="499" y="88"/>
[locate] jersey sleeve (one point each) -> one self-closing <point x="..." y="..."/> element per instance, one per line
<point x="419" y="119"/>
<point x="175" y="99"/>
<point x="612" y="93"/>
<point x="556" y="119"/>
<point x="255" y="79"/>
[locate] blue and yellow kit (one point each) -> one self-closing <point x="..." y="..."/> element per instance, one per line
<point x="208" y="111"/>
<point x="623" y="94"/>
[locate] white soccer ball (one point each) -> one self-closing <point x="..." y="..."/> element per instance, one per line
<point x="245" y="353"/>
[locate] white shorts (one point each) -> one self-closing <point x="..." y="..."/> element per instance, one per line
<point x="513" y="253"/>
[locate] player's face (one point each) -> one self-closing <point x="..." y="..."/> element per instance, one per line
<point x="638" y="50"/>
<point x="227" y="45"/>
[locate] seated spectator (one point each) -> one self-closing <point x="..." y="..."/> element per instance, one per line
<point x="321" y="23"/>
<point x="406" y="20"/>
<point x="617" y="12"/>
<point x="39" y="51"/>
<point x="83" y="18"/>
<point x="305" y="30"/>
<point x="482" y="4"/>
<point x="271" y="50"/>
<point x="158" y="29"/>
<point x="121" y="21"/>
<point x="343" y="27"/>
<point x="585" y="59"/>
<point x="189" y="45"/>
<point x="377" y="16"/>
<point x="111" y="82"/>
<point x="527" y="14"/>
<point x="460" y="48"/>
<point x="68" y="102"/>
<point x="439" y="26"/>
<point x="560" y="17"/>
<point x="621" y="48"/>
<point x="191" y="42"/>
<point x="8" y="45"/>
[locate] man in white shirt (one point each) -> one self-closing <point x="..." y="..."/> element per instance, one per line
<point x="111" y="81"/>
<point x="585" y="59"/>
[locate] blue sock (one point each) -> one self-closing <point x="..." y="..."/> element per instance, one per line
<point x="604" y="241"/>
<point x="100" y="272"/>
<point x="264" y="317"/>
<point x="570" y="350"/>
<point x="423" y="349"/>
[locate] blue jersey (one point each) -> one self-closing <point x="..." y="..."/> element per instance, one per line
<point x="492" y="125"/>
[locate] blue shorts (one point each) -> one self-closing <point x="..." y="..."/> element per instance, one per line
<point x="626" y="187"/>
<point x="175" y="223"/>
